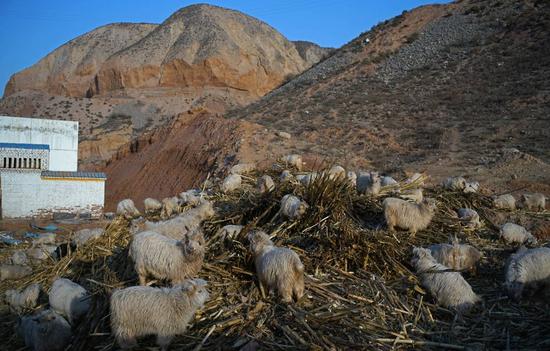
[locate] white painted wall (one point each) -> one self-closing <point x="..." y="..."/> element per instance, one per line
<point x="26" y="194"/>
<point x="61" y="136"/>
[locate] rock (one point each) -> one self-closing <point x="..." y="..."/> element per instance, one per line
<point x="283" y="135"/>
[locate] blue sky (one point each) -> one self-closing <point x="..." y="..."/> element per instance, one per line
<point x="30" y="29"/>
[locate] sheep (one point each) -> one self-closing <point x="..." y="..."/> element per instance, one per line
<point x="515" y="234"/>
<point x="170" y="205"/>
<point x="231" y="183"/>
<point x="469" y="217"/>
<point x="69" y="299"/>
<point x="191" y="197"/>
<point x="151" y="206"/>
<point x="294" y="161"/>
<point x="337" y="172"/>
<point x="45" y="331"/>
<point x="265" y="184"/>
<point x="13" y="272"/>
<point x="450" y="289"/>
<point x="534" y="202"/>
<point x="454" y="183"/>
<point x="527" y="268"/>
<point x="83" y="236"/>
<point x="26" y="299"/>
<point x="417" y="178"/>
<point x="386" y="181"/>
<point x="292" y="207"/>
<point x="242" y="168"/>
<point x="456" y="256"/>
<point x="165" y="258"/>
<point x="278" y="268"/>
<point x="352" y="178"/>
<point x="504" y="202"/>
<point x="286" y="176"/>
<point x="127" y="209"/>
<point x="414" y="195"/>
<point x="42" y="252"/>
<point x="165" y="312"/>
<point x="19" y="257"/>
<point x="176" y="228"/>
<point x="368" y="183"/>
<point x="409" y="216"/>
<point x="471" y="187"/>
<point x="44" y="239"/>
<point x="230" y="231"/>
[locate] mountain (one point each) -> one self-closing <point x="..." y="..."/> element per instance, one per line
<point x="461" y="88"/>
<point x="122" y="80"/>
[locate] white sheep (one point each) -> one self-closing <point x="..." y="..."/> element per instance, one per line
<point x="527" y="268"/>
<point x="454" y="183"/>
<point x="387" y="181"/>
<point x="25" y="299"/>
<point x="456" y="256"/>
<point x="230" y="231"/>
<point x="189" y="221"/>
<point x="512" y="233"/>
<point x="231" y="183"/>
<point x="278" y="268"/>
<point x="13" y="272"/>
<point x="191" y="197"/>
<point x="83" y="236"/>
<point x="170" y="206"/>
<point x="265" y="184"/>
<point x="450" y="289"/>
<point x="292" y="207"/>
<point x="368" y="183"/>
<point x="534" y="202"/>
<point x="69" y="299"/>
<point x="45" y="331"/>
<point x="286" y="176"/>
<point x="165" y="258"/>
<point x="127" y="209"/>
<point x="469" y="217"/>
<point x="294" y="161"/>
<point x="471" y="187"/>
<point x="44" y="239"/>
<point x="352" y="178"/>
<point x="165" y="312"/>
<point x="42" y="252"/>
<point x="337" y="172"/>
<point x="151" y="206"/>
<point x="19" y="257"/>
<point x="414" y="195"/>
<point x="242" y="168"/>
<point x="409" y="216"/>
<point x="505" y="202"/>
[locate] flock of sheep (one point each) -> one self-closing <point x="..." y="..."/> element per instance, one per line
<point x="172" y="250"/>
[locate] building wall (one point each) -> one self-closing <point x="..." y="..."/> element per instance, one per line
<point x="27" y="194"/>
<point x="32" y="154"/>
<point x="61" y="136"/>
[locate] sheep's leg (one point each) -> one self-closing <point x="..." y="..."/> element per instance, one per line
<point x="164" y="341"/>
<point x="142" y="277"/>
<point x="126" y="341"/>
<point x="285" y="291"/>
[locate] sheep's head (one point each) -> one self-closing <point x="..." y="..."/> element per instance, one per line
<point x="193" y="243"/>
<point x="207" y="209"/>
<point x="430" y="204"/>
<point x="258" y="240"/>
<point x="420" y="253"/>
<point x="195" y="290"/>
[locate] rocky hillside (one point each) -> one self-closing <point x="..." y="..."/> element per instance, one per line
<point x="121" y="80"/>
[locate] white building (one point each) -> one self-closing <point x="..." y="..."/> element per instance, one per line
<point x="39" y="170"/>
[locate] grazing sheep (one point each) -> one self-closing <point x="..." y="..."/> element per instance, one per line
<point x="292" y="207"/>
<point x="170" y="206"/>
<point x="45" y="331"/>
<point x="515" y="234"/>
<point x="386" y="181"/>
<point x="294" y="161"/>
<point x="231" y="183"/>
<point x="242" y="168"/>
<point x="534" y="202"/>
<point x="13" y="272"/>
<point x="414" y="195"/>
<point x="409" y="216"/>
<point x="471" y="187"/>
<point x="83" y="236"/>
<point x="191" y="197"/>
<point x="278" y="268"/>
<point x="19" y="257"/>
<point x="44" y="239"/>
<point x="43" y="252"/>
<point x="454" y="183"/>
<point x="286" y="176"/>
<point x="337" y="172"/>
<point x="165" y="312"/>
<point x="505" y="202"/>
<point x="369" y="183"/>
<point x="265" y="184"/>
<point x="352" y="178"/>
<point x="151" y="206"/>
<point x="69" y="299"/>
<point x="189" y="221"/>
<point x="527" y="268"/>
<point x="456" y="256"/>
<point x="469" y="217"/>
<point x="127" y="209"/>
<point x="450" y="289"/>
<point x="165" y="258"/>
<point x="28" y="298"/>
<point x="230" y="231"/>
